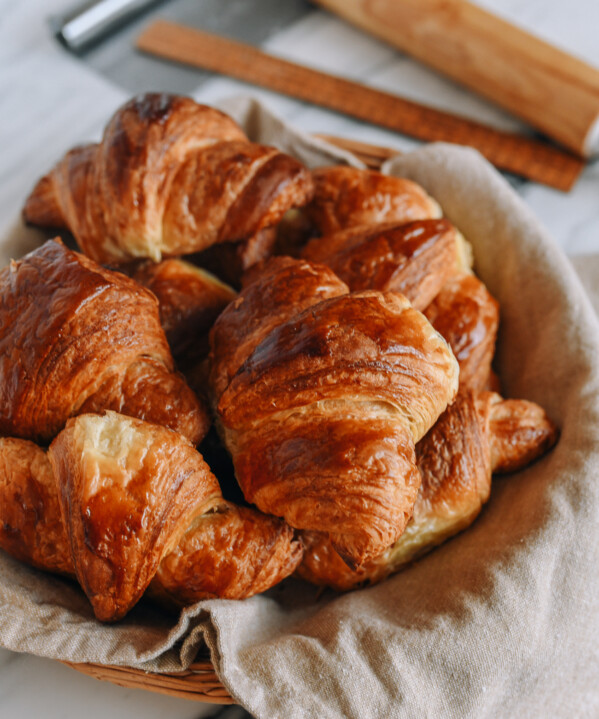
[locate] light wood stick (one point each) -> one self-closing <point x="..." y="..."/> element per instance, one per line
<point x="552" y="90"/>
<point x="521" y="155"/>
<point x="372" y="156"/>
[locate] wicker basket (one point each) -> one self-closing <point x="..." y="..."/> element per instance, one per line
<point x="199" y="682"/>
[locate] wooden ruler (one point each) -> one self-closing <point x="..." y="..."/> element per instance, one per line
<point x="533" y="159"/>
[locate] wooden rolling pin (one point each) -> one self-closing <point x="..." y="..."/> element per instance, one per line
<point x="550" y="89"/>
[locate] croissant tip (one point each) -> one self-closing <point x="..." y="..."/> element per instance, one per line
<point x="41" y="207"/>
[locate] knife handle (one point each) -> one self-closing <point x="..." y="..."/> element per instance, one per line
<point x="93" y="20"/>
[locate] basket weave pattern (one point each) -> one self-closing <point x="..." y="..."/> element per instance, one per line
<point x="199" y="682"/>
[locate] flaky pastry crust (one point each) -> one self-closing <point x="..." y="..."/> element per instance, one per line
<point x="414" y="258"/>
<point x="479" y="434"/>
<point x="169" y="177"/>
<point x="127" y="489"/>
<point x="346" y="197"/>
<point x="317" y="394"/>
<point x="467" y="316"/>
<point x="74" y="335"/>
<point x="227" y="552"/>
<point x="31" y="527"/>
<point x="265" y="304"/>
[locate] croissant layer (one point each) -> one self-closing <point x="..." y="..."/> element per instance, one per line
<point x="341" y="346"/>
<point x="227" y="552"/>
<point x="274" y="293"/>
<point x="467" y="316"/>
<point x="322" y="459"/>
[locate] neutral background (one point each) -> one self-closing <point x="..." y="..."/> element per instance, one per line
<point x="51" y="101"/>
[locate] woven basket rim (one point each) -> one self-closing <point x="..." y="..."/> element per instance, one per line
<point x="199" y="682"/>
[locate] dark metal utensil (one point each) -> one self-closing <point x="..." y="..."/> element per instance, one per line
<point x="90" y="22"/>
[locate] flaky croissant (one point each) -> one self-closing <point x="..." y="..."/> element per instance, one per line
<point x="306" y="408"/>
<point x="121" y="503"/>
<point x="347" y="197"/>
<point x="169" y="177"/>
<point x="190" y="299"/>
<point x="467" y="316"/>
<point x="479" y="434"/>
<point x="75" y="337"/>
<point x="31" y="527"/>
<point x="414" y="258"/>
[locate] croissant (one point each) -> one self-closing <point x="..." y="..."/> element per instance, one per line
<point x="230" y="260"/>
<point x="346" y="197"/>
<point x="190" y="299"/>
<point x="227" y="552"/>
<point x="274" y="292"/>
<point x="169" y="177"/>
<point x="467" y="316"/>
<point x="477" y="435"/>
<point x="75" y="337"/>
<point x="139" y="504"/>
<point x="31" y="527"/>
<point x="414" y="258"/>
<point x="318" y="396"/>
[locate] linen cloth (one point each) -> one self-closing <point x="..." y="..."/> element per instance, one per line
<point x="502" y="620"/>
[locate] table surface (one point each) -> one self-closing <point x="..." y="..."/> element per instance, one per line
<point x="52" y="100"/>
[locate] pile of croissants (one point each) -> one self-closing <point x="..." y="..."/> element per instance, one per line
<point x="328" y="324"/>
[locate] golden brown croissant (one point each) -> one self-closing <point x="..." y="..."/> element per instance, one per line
<point x="477" y="435"/>
<point x="169" y="177"/>
<point x="322" y="413"/>
<point x="467" y="316"/>
<point x="190" y="299"/>
<point x="227" y="552"/>
<point x="31" y="527"/>
<point x="415" y="258"/>
<point x="127" y="491"/>
<point x="229" y="260"/>
<point x="346" y="197"/>
<point x="76" y="337"/>
<point x="137" y="499"/>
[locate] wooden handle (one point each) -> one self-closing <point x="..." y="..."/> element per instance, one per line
<point x="520" y="155"/>
<point x="553" y="91"/>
